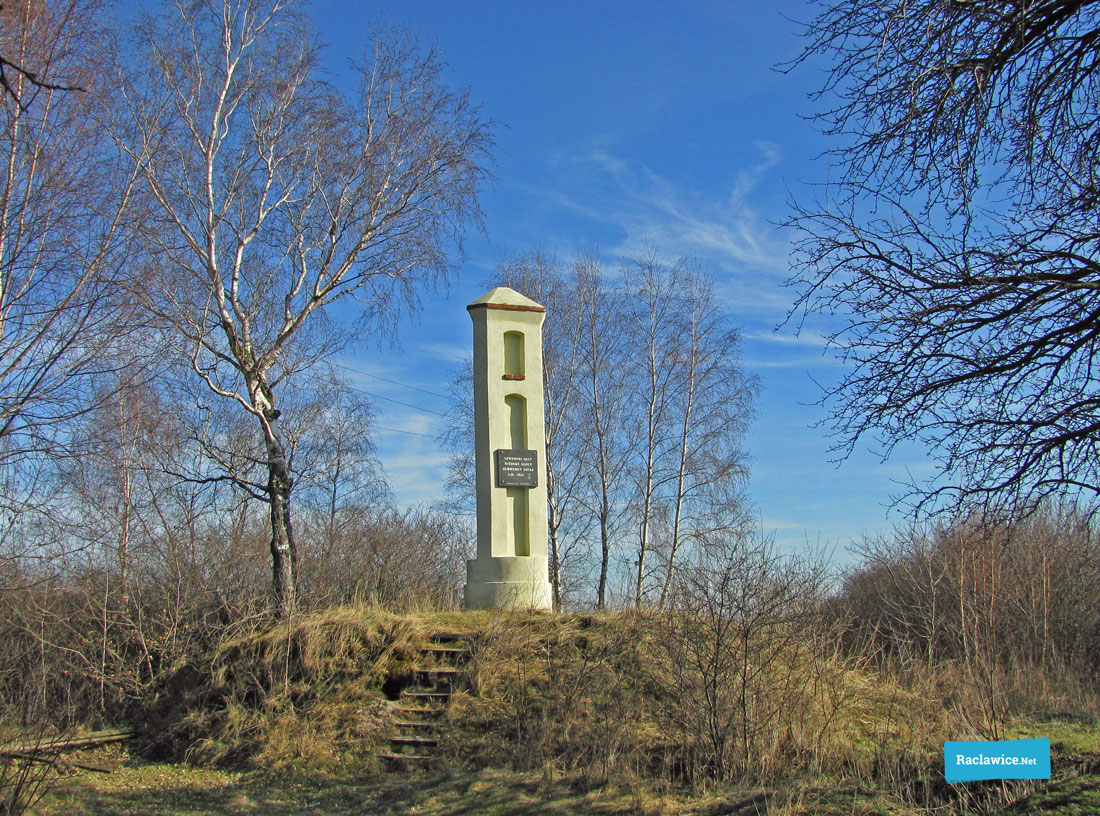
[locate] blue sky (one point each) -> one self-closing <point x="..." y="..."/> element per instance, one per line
<point x="623" y="125"/>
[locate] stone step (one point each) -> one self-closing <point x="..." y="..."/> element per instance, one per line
<point x="430" y="742"/>
<point x="448" y="671"/>
<point x="407" y="757"/>
<point x="455" y="651"/>
<point x="431" y="712"/>
<point x="425" y="695"/>
<point x="403" y="724"/>
<point x="451" y="637"/>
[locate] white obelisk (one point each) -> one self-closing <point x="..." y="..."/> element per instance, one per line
<point x="510" y="570"/>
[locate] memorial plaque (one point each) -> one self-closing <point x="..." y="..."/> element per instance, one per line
<point x="517" y="468"/>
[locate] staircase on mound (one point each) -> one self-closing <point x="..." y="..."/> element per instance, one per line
<point x="421" y="706"/>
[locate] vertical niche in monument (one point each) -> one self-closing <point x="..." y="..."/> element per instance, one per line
<point x="513" y="355"/>
<point x="516" y="497"/>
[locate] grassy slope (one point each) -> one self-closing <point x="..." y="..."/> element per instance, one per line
<point x="353" y="649"/>
<point x="166" y="789"/>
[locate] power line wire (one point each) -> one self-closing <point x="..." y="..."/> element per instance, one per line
<point x="399" y="402"/>
<point x="392" y="382"/>
<point x="412" y="433"/>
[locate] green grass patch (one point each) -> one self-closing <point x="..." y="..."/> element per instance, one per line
<point x="138" y="787"/>
<point x="1073" y="796"/>
<point x="170" y="789"/>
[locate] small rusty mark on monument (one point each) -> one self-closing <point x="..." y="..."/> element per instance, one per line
<point x="517" y="468"/>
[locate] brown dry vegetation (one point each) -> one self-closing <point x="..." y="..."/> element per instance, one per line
<point x="759" y="683"/>
<point x="580" y="713"/>
<point x="309" y="690"/>
<point x="593" y="702"/>
<point x="604" y="697"/>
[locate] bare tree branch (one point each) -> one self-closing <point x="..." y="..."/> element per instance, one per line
<point x="272" y="196"/>
<point x="960" y="241"/>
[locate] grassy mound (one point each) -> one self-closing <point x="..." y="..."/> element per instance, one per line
<point x="659" y="702"/>
<point x="664" y="698"/>
<point x="310" y="691"/>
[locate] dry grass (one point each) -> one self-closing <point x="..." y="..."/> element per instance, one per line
<point x="136" y="786"/>
<point x="594" y="695"/>
<point x="310" y="690"/>
<point x="576" y="704"/>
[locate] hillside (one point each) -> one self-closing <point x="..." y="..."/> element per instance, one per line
<point x="614" y="713"/>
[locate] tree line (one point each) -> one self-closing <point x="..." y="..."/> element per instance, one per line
<point x="185" y="200"/>
<point x="194" y="221"/>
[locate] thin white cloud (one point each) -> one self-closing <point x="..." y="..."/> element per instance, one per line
<point x="803" y="338"/>
<point x="635" y="209"/>
<point x="417" y="475"/>
<point x="728" y="232"/>
<point x="447" y="352"/>
<point x="802" y="362"/>
<point x="653" y="211"/>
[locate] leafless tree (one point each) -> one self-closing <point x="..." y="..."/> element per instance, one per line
<point x="693" y="402"/>
<point x="603" y="409"/>
<point x="332" y="448"/>
<point x="713" y="405"/>
<point x="959" y="239"/>
<point x="412" y="560"/>
<point x="65" y="199"/>
<point x="740" y="614"/>
<point x="458" y="438"/>
<point x="342" y="490"/>
<point x="271" y="197"/>
<point x="652" y="310"/>
<point x="23" y="72"/>
<point x="116" y="481"/>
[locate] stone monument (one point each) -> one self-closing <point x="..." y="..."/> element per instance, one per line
<point x="510" y="571"/>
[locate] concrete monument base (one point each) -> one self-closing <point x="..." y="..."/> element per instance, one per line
<point x="507" y="582"/>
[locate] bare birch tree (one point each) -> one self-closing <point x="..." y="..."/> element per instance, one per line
<point x="117" y="478"/>
<point x="712" y="405"/>
<point x="272" y="196"/>
<point x="334" y="452"/>
<point x="652" y="309"/>
<point x="24" y="73"/>
<point x="603" y="409"/>
<point x="692" y="403"/>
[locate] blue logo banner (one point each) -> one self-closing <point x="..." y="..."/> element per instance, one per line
<point x="1006" y="759"/>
